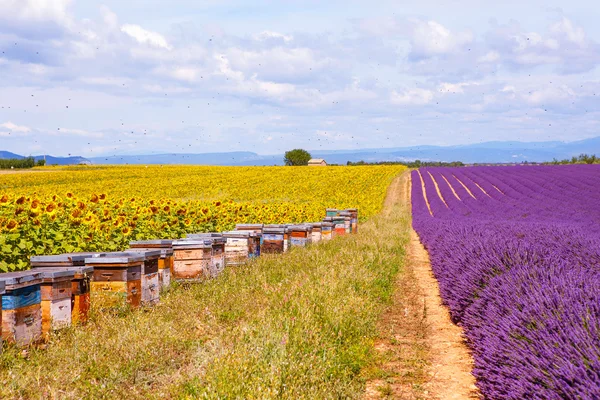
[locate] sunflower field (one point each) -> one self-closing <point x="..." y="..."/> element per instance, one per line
<point x="83" y="208"/>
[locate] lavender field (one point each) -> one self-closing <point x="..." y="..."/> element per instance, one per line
<point x="516" y="252"/>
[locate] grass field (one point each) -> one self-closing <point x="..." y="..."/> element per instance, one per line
<point x="298" y="325"/>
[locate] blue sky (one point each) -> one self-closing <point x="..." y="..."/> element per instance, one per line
<point x="140" y="76"/>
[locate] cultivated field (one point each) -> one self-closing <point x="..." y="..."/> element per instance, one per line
<point x="103" y="208"/>
<point x="296" y="325"/>
<point x="516" y="253"/>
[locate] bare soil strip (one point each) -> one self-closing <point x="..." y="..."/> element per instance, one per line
<point x="437" y="189"/>
<point x="423" y="353"/>
<point x="495" y="187"/>
<point x="482" y="189"/>
<point x="451" y="188"/>
<point x="466" y="188"/>
<point x="424" y="193"/>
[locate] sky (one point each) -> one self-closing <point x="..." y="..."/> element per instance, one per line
<point x="147" y="76"/>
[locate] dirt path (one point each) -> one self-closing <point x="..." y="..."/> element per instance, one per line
<point x="423" y="354"/>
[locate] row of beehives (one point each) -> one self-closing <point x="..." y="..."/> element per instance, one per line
<point x="57" y="291"/>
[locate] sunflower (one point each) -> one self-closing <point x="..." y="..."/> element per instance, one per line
<point x="12" y="225"/>
<point x="4" y="199"/>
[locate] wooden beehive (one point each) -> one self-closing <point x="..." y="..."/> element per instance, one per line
<point x="56" y="290"/>
<point x="331" y="212"/>
<point x="237" y="247"/>
<point x="347" y="221"/>
<point x="218" y="250"/>
<point x="80" y="283"/>
<point x="326" y="230"/>
<point x="150" y="280"/>
<point x="21" y="307"/>
<point x="2" y="291"/>
<point x="339" y="225"/>
<point x="300" y="235"/>
<point x="192" y="259"/>
<point x="117" y="279"/>
<point x="316" y="232"/>
<point x="273" y="239"/>
<point x="165" y="263"/>
<point x="354" y="219"/>
<point x="286" y="238"/>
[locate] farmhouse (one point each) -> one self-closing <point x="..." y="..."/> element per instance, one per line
<point x="317" y="162"/>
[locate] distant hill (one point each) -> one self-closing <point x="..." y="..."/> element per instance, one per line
<point x="50" y="160"/>
<point x="486" y="152"/>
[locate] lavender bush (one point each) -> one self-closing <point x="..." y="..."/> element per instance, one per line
<point x="516" y="251"/>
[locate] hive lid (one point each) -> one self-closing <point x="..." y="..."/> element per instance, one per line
<point x="266" y="231"/>
<point x="54" y="273"/>
<point x="328" y="224"/>
<point x="237" y="234"/>
<point x="203" y="235"/>
<point x="115" y="258"/>
<point x="72" y="258"/>
<point x="248" y="226"/>
<point x="79" y="269"/>
<point x="316" y="224"/>
<point x="191" y="244"/>
<point x="164" y="252"/>
<point x="19" y="278"/>
<point x="148" y="253"/>
<point x="331" y="210"/>
<point x="328" y="219"/>
<point x="271" y="226"/>
<point x="153" y="243"/>
<point x="302" y="228"/>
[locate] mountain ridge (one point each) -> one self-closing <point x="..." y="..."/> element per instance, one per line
<point x="485" y="152"/>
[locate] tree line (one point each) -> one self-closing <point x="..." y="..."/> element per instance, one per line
<point x="27" y="162"/>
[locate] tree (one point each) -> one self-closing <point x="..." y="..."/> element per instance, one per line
<point x="297" y="157"/>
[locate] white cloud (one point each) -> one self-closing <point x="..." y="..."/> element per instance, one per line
<point x="266" y="35"/>
<point x="412" y="97"/>
<point x="430" y="38"/>
<point x="8" y="129"/>
<point x="489" y="57"/>
<point x="574" y="34"/>
<point x="35" y="10"/>
<point x="144" y="36"/>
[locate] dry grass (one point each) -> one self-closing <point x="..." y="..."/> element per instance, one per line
<point x="299" y="325"/>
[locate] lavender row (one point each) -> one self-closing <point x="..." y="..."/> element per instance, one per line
<point x="516" y="251"/>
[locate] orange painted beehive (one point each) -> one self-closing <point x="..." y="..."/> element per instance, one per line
<point x="218" y="250"/>
<point x="80" y="283"/>
<point x="192" y="259"/>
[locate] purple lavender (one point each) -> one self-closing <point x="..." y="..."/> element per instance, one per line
<point x="516" y="251"/>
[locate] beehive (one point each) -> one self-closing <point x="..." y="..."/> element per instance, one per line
<point x="192" y="259"/>
<point x="354" y="221"/>
<point x="21" y="308"/>
<point x="2" y="291"/>
<point x="117" y="279"/>
<point x="339" y="225"/>
<point x="80" y="284"/>
<point x="165" y="262"/>
<point x="326" y="230"/>
<point x="286" y="238"/>
<point x="331" y="212"/>
<point x="273" y="239"/>
<point x="150" y="281"/>
<point x="56" y="290"/>
<point x="347" y="221"/>
<point x="218" y="250"/>
<point x="237" y="247"/>
<point x="316" y="232"/>
<point x="300" y="235"/>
